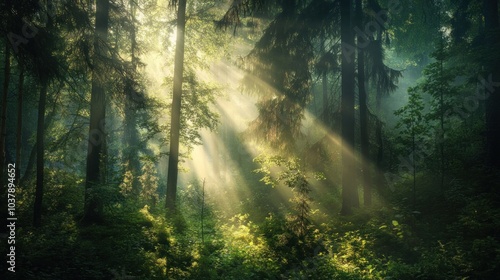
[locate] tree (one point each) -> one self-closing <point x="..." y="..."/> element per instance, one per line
<point x="324" y="78"/>
<point x="96" y="143"/>
<point x="413" y="131"/>
<point x="438" y="84"/>
<point x="40" y="157"/>
<point x="491" y="24"/>
<point x="133" y="101"/>
<point x="173" y="159"/>
<point x="278" y="67"/>
<point x="363" y="112"/>
<point x="349" y="190"/>
<point x="19" y="122"/>
<point x="3" y="119"/>
<point x="46" y="69"/>
<point x="286" y="40"/>
<point x="280" y="60"/>
<point x="33" y="48"/>
<point x="290" y="172"/>
<point x="414" y="25"/>
<point x="383" y="79"/>
<point x="149" y="184"/>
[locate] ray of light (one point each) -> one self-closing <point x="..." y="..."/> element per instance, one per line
<point x="218" y="163"/>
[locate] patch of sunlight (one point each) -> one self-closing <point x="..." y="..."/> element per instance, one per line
<point x="240" y="235"/>
<point x="162" y="262"/>
<point x="220" y="160"/>
<point x="212" y="164"/>
<point x="145" y="212"/>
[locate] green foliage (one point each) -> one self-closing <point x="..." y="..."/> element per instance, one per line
<point x="126" y="184"/>
<point x="438" y="83"/>
<point x="291" y="174"/>
<point x="149" y="183"/>
<point x="455" y="238"/>
<point x="279" y="70"/>
<point x="197" y="209"/>
<point x="293" y="237"/>
<point x="197" y="108"/>
<point x="63" y="250"/>
<point x="413" y="26"/>
<point x="412" y="125"/>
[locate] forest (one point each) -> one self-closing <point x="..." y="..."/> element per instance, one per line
<point x="250" y="139"/>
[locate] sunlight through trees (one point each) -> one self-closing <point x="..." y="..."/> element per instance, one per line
<point x="250" y="139"/>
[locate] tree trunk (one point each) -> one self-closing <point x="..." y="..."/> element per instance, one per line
<point x="441" y="121"/>
<point x="132" y="141"/>
<point x="40" y="134"/>
<point x="19" y="130"/>
<point x="132" y="135"/>
<point x="3" y="125"/>
<point x="28" y="172"/>
<point x="490" y="9"/>
<point x="93" y="203"/>
<point x="173" y="159"/>
<point x="363" y="113"/>
<point x="349" y="189"/>
<point x="414" y="169"/>
<point x="324" y="80"/>
<point x="380" y="155"/>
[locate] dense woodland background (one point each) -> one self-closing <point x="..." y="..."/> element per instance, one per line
<point x="251" y="139"/>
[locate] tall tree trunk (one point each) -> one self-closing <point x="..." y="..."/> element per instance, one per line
<point x="132" y="135"/>
<point x="40" y="134"/>
<point x="132" y="140"/>
<point x="324" y="80"/>
<point x="490" y="9"/>
<point x="380" y="141"/>
<point x="380" y="155"/>
<point x="441" y="121"/>
<point x="349" y="189"/>
<point x="28" y="172"/>
<point x="3" y="124"/>
<point x="173" y="159"/>
<point x="363" y="113"/>
<point x="19" y="130"/>
<point x="96" y="145"/>
<point x="414" y="199"/>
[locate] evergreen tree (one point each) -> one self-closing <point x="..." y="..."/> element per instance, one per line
<point x="97" y="131"/>
<point x="173" y="159"/>
<point x="363" y="112"/>
<point x="413" y="133"/>
<point x="438" y="84"/>
<point x="492" y="40"/>
<point x="350" y="197"/>
<point x="134" y="100"/>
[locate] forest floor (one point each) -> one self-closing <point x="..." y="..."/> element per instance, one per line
<point x="451" y="236"/>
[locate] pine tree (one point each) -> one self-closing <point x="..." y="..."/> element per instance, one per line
<point x="413" y="132"/>
<point x="97" y="136"/>
<point x="173" y="160"/>
<point x="350" y="197"/>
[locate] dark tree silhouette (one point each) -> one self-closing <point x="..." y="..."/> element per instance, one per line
<point x="363" y="112"/>
<point x="491" y="24"/>
<point x="350" y="197"/>
<point x="173" y="160"/>
<point x="96" y="143"/>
